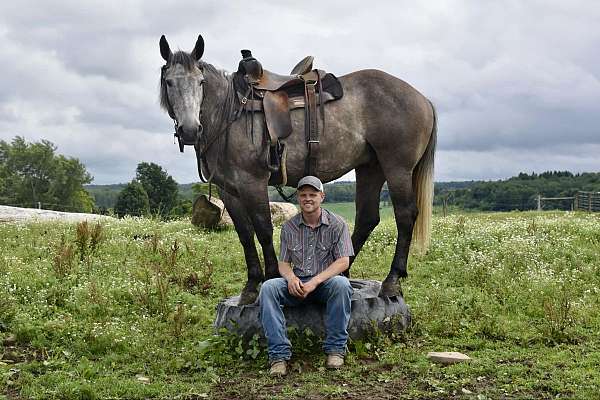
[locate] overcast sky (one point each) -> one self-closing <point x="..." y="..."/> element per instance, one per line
<point x="516" y="83"/>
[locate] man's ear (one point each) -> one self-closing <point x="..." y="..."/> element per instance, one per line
<point x="322" y="196"/>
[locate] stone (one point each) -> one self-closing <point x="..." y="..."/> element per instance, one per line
<point x="447" y="357"/>
<point x="10" y="340"/>
<point x="368" y="311"/>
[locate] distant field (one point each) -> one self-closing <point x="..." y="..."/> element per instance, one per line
<point x="126" y="312"/>
<point x="348" y="210"/>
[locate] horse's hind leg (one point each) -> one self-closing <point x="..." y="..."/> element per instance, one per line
<point x="405" y="212"/>
<point x="369" y="180"/>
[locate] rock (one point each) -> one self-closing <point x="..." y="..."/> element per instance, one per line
<point x="447" y="357"/>
<point x="368" y="310"/>
<point x="212" y="214"/>
<point x="10" y="340"/>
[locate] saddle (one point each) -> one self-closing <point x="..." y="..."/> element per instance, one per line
<point x="276" y="95"/>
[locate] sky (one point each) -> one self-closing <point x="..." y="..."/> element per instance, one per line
<point x="516" y="83"/>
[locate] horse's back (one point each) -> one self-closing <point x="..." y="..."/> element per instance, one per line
<point x="394" y="111"/>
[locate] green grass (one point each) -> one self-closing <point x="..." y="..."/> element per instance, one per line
<point x="130" y="317"/>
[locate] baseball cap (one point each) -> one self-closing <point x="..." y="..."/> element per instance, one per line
<point x="311" y="181"/>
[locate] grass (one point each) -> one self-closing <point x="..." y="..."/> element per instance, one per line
<point x="125" y="311"/>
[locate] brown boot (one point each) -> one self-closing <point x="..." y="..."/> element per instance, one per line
<point x="278" y="368"/>
<point x="334" y="361"/>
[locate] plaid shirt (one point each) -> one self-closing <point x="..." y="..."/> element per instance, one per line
<point x="312" y="250"/>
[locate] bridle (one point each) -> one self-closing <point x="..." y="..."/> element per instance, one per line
<point x="202" y="143"/>
<point x="174" y="117"/>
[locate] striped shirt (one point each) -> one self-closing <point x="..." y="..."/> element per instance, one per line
<point x="312" y="250"/>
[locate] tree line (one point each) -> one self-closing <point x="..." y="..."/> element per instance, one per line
<point x="517" y="193"/>
<point x="33" y="174"/>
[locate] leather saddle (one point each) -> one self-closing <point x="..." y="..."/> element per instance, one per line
<point x="276" y="95"/>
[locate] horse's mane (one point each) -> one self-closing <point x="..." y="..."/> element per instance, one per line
<point x="221" y="115"/>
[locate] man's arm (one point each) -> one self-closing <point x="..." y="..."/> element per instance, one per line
<point x="335" y="268"/>
<point x="294" y="283"/>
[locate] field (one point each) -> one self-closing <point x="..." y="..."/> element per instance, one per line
<point x="124" y="311"/>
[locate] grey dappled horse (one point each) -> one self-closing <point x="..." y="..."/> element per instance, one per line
<point x="382" y="127"/>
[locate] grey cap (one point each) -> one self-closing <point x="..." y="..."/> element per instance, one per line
<point x="311" y="181"/>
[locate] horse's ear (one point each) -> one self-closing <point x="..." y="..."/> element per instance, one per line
<point x="198" y="48"/>
<point x="165" y="50"/>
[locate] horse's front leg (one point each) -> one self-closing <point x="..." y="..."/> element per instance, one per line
<point x="256" y="198"/>
<point x="243" y="227"/>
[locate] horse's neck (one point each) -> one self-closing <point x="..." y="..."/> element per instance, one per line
<point x="217" y="96"/>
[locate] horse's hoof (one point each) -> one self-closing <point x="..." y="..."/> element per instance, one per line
<point x="390" y="290"/>
<point x="248" y="298"/>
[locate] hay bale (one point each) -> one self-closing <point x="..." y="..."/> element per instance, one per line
<point x="281" y="212"/>
<point x="212" y="214"/>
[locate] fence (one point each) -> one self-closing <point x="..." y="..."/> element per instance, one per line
<point x="587" y="201"/>
<point x="583" y="201"/>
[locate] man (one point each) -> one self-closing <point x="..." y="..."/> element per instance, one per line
<point x="315" y="250"/>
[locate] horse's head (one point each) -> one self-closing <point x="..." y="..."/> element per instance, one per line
<point x="181" y="90"/>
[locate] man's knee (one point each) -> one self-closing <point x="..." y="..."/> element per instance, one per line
<point x="340" y="284"/>
<point x="271" y="287"/>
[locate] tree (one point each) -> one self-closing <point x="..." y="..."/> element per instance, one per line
<point x="161" y="188"/>
<point x="132" y="200"/>
<point x="33" y="172"/>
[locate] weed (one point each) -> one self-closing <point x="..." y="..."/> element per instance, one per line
<point x="178" y="320"/>
<point x="96" y="237"/>
<point x="62" y="262"/>
<point x="82" y="239"/>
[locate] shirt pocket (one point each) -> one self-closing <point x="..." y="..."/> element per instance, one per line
<point x="295" y="250"/>
<point x="323" y="254"/>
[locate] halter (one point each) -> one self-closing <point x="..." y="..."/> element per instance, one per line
<point x="171" y="112"/>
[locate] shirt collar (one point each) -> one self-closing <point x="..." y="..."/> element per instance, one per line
<point x="324" y="218"/>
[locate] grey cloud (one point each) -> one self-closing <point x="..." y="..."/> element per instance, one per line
<point x="512" y="81"/>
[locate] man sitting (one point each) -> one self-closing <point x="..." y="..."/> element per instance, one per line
<point x="315" y="250"/>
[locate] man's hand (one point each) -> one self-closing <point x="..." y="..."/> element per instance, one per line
<point x="295" y="287"/>
<point x="309" y="287"/>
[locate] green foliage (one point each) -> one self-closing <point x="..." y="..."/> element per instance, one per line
<point x="518" y="292"/>
<point x="516" y="193"/>
<point x="33" y="172"/>
<point x="132" y="200"/>
<point x="161" y="188"/>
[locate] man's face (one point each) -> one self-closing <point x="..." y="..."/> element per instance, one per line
<point x="310" y="199"/>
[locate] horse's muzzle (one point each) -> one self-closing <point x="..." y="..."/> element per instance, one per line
<point x="187" y="135"/>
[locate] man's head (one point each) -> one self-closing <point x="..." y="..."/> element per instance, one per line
<point x="310" y="194"/>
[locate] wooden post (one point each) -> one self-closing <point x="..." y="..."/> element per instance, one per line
<point x="539" y="202"/>
<point x="576" y="201"/>
<point x="590" y="201"/>
<point x="445" y="206"/>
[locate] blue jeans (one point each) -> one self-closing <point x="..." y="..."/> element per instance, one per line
<point x="335" y="293"/>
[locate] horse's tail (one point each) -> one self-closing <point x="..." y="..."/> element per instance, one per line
<point x="423" y="186"/>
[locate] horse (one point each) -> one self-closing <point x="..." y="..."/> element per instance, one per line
<point x="382" y="127"/>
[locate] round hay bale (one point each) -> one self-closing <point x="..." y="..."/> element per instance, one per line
<point x="281" y="212"/>
<point x="209" y="213"/>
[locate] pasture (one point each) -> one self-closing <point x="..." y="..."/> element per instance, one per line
<point x="124" y="311"/>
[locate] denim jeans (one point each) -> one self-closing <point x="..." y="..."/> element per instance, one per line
<point x="335" y="293"/>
